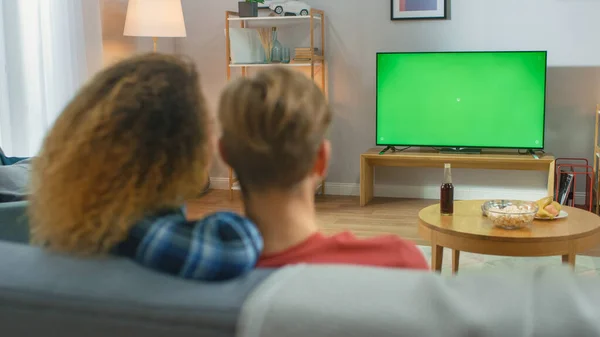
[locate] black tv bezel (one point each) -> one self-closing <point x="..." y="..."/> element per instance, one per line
<point x="461" y="52"/>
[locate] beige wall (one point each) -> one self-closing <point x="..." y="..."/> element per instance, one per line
<point x="115" y="45"/>
<point x="357" y="29"/>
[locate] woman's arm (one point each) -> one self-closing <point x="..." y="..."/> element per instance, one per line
<point x="218" y="247"/>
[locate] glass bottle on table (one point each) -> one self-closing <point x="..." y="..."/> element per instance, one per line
<point x="447" y="192"/>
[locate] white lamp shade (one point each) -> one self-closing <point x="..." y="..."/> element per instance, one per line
<point x="154" y="18"/>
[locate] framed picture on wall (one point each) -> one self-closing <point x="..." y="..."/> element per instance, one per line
<point x="418" y="9"/>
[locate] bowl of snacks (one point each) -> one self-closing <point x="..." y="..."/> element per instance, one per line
<point x="510" y="214"/>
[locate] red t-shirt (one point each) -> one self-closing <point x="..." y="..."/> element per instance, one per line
<point x="345" y="248"/>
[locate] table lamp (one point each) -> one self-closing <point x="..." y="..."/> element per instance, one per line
<point x="154" y="18"/>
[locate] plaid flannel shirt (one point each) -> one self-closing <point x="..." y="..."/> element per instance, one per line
<point x="221" y="246"/>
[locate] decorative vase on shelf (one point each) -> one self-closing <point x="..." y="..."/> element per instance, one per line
<point x="266" y="40"/>
<point x="276" y="50"/>
<point x="285" y="58"/>
<point x="247" y="9"/>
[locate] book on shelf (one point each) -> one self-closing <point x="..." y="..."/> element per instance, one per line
<point x="303" y="53"/>
<point x="306" y="49"/>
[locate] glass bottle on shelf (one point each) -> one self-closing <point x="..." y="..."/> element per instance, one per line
<point x="447" y="192"/>
<point x="277" y="48"/>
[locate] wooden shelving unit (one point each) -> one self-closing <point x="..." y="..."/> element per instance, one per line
<point x="316" y="23"/>
<point x="264" y="65"/>
<point x="596" y="159"/>
<point x="268" y="21"/>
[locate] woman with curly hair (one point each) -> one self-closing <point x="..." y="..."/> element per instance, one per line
<point x="117" y="166"/>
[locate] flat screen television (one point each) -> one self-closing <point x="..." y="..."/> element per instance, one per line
<point x="461" y="99"/>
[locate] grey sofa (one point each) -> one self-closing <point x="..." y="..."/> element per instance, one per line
<point x="56" y="296"/>
<point x="48" y="295"/>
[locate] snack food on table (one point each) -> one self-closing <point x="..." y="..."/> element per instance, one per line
<point x="510" y="214"/>
<point x="548" y="208"/>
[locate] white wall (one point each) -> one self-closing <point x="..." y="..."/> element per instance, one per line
<point x="357" y="29"/>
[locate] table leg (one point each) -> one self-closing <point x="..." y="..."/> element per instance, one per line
<point x="455" y="260"/>
<point x="569" y="259"/>
<point x="366" y="181"/>
<point x="437" y="256"/>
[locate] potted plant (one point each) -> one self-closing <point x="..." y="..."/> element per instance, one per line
<point x="249" y="8"/>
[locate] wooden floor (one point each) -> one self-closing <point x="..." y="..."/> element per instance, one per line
<point x="341" y="213"/>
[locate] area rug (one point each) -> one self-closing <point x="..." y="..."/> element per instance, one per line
<point x="469" y="262"/>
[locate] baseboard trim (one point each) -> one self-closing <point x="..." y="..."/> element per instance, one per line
<point x="424" y="192"/>
<point x="433" y="192"/>
<point x="219" y="183"/>
<point x="223" y="184"/>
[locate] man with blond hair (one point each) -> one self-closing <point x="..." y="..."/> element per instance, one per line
<point x="274" y="129"/>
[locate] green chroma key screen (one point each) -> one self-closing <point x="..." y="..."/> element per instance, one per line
<point x="462" y="99"/>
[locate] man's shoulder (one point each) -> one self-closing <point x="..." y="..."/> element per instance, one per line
<point x="390" y="250"/>
<point x="345" y="248"/>
<point x="349" y="240"/>
<point x="388" y="240"/>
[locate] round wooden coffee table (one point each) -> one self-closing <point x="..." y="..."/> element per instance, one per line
<point x="469" y="231"/>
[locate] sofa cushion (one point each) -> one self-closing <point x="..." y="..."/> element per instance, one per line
<point x="14" y="181"/>
<point x="43" y="294"/>
<point x="14" y="225"/>
<point x="348" y="301"/>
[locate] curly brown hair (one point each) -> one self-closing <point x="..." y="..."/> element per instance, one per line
<point x="133" y="141"/>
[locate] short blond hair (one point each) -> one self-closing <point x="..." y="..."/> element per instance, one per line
<point x="133" y="141"/>
<point x="273" y="125"/>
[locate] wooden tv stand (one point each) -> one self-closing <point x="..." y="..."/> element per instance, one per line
<point x="432" y="158"/>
